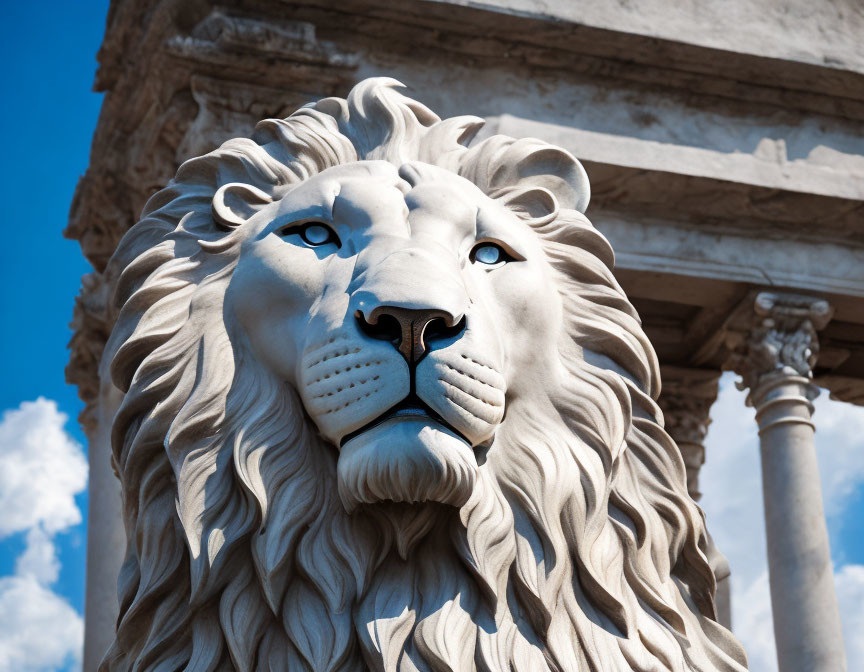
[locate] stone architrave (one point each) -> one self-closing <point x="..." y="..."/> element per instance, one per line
<point x="775" y="362"/>
<point x="387" y="408"/>
<point x="686" y="400"/>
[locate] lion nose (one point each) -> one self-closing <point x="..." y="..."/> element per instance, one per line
<point x="410" y="330"/>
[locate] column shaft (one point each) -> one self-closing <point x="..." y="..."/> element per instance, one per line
<point x="106" y="537"/>
<point x="686" y="401"/>
<point x="807" y="624"/>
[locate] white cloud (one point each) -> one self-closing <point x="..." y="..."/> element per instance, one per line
<point x="838" y="445"/>
<point x="38" y="629"/>
<point x="39" y="559"/>
<point x="752" y="622"/>
<point x="849" y="582"/>
<point x="732" y="499"/>
<point x="41" y="470"/>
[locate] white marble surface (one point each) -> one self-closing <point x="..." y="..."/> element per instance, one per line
<point x="278" y="298"/>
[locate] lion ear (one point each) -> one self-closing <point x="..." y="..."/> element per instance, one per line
<point x="534" y="203"/>
<point x="236" y="202"/>
<point x="529" y="162"/>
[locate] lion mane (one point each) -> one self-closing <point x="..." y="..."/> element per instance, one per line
<point x="579" y="548"/>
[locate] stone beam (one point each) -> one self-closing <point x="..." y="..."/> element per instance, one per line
<point x="697" y="212"/>
<point x="790" y="31"/>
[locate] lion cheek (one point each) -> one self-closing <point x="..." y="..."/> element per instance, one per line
<point x="346" y="383"/>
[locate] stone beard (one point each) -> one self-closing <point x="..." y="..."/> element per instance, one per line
<point x="387" y="409"/>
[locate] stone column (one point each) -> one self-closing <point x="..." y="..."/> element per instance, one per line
<point x="686" y="399"/>
<point x="106" y="537"/>
<point x="775" y="362"/>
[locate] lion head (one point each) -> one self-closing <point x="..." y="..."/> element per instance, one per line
<point x="387" y="408"/>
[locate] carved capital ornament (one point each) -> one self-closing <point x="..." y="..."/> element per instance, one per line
<point x="782" y="344"/>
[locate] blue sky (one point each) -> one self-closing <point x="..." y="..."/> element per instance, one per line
<point x="49" y="118"/>
<point x="49" y="55"/>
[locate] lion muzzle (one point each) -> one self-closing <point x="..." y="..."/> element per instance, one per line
<point x="406" y="460"/>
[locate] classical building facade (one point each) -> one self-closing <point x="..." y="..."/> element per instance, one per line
<point x="725" y="151"/>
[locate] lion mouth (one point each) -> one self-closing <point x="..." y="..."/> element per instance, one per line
<point x="410" y="407"/>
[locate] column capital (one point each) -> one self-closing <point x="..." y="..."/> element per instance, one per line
<point x="782" y="342"/>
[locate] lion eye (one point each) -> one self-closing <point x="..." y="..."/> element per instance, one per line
<point x="317" y="234"/>
<point x="314" y="234"/>
<point x="489" y="254"/>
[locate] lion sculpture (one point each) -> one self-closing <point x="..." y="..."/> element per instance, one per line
<point x="387" y="409"/>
